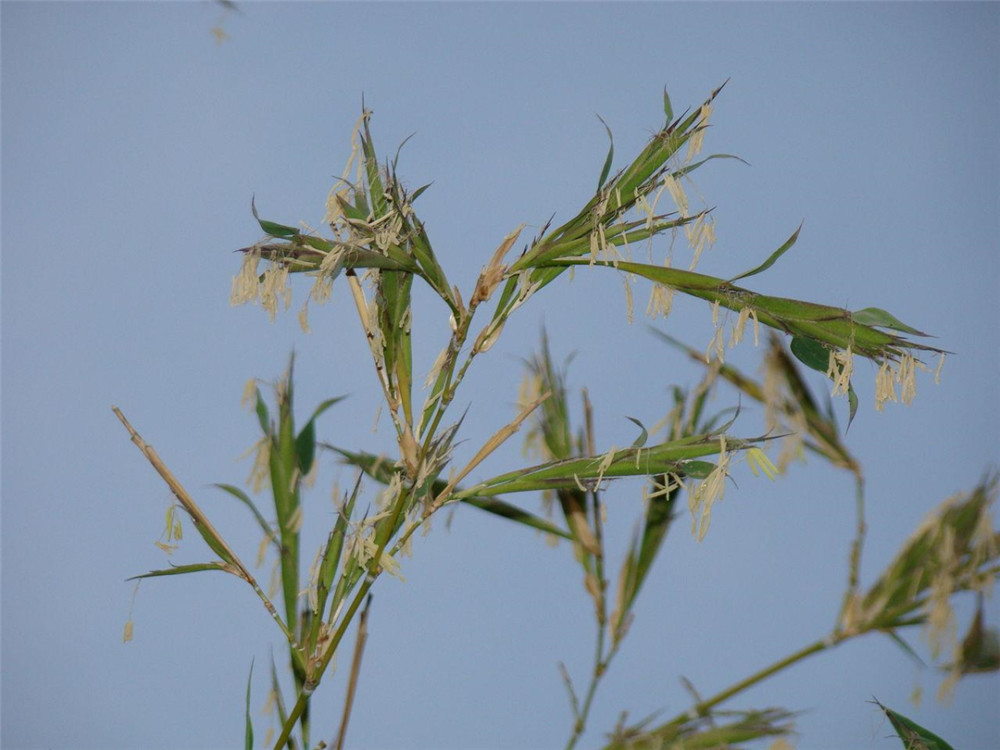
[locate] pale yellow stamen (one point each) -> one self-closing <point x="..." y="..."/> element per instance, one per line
<point x="737" y="335"/>
<point x="274" y="287"/>
<point x="700" y="235"/>
<point x="937" y="372"/>
<point x="629" y="303"/>
<point x="606" y="462"/>
<point x="759" y="462"/>
<point x="885" y="387"/>
<point x="304" y="317"/>
<point x="840" y="370"/>
<point x="697" y="140"/>
<point x="717" y="343"/>
<point x="707" y="493"/>
<point x="661" y="300"/>
<point x="245" y="287"/>
<point x="676" y="191"/>
<point x="906" y="376"/>
<point x="249" y="393"/>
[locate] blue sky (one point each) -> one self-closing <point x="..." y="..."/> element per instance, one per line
<point x="132" y="143"/>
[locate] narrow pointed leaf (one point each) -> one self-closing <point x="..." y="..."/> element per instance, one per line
<point x="667" y="109"/>
<point x="305" y="447"/>
<point x="216" y="544"/>
<point x="873" y="316"/>
<point x="698" y="469"/>
<point x="772" y="258"/>
<point x="610" y="157"/>
<point x="245" y="499"/>
<point x="381" y="470"/>
<point x="811" y="353"/>
<point x="326" y="405"/>
<point x="643" y="434"/>
<point x="271" y="228"/>
<point x="511" y="512"/>
<point x="262" y="414"/>
<point x="852" y="402"/>
<point x="248" y="732"/>
<point x="279" y="701"/>
<point x="980" y="650"/>
<point x="833" y="327"/>
<point x="674" y="457"/>
<point x="331" y="556"/>
<point x="905" y="647"/>
<point x="419" y="191"/>
<point x="694" y="165"/>
<point x="912" y="735"/>
<point x="183" y="569"/>
<point x="659" y="514"/>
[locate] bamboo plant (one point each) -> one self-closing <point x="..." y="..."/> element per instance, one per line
<point x="380" y="247"/>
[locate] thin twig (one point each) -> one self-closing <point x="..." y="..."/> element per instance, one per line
<point x="202" y="522"/>
<point x="499" y="437"/>
<point x="702" y="708"/>
<point x="318" y="667"/>
<point x="352" y="683"/>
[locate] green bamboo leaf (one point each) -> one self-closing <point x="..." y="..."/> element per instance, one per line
<point x="325" y="405"/>
<point x="399" y="149"/>
<point x="177" y="570"/>
<point x="610" y="157"/>
<point x="981" y="646"/>
<point x="248" y="733"/>
<point x="667" y="109"/>
<point x="361" y="209"/>
<point x="419" y="191"/>
<point x="271" y="228"/>
<point x="873" y="316"/>
<point x="667" y="458"/>
<point x="912" y="735"/>
<point x="263" y="416"/>
<point x="643" y="435"/>
<point x="698" y="469"/>
<point x="282" y="465"/>
<point x="216" y="544"/>
<point x="305" y="254"/>
<point x="305" y="447"/>
<point x="659" y="515"/>
<point x="852" y="401"/>
<point x="715" y="729"/>
<point x="694" y="165"/>
<point x="376" y="190"/>
<point x="983" y="655"/>
<point x="898" y="596"/>
<point x="245" y="499"/>
<point x="772" y="258"/>
<point x="381" y="470"/>
<point x="331" y="555"/>
<point x="833" y="326"/>
<point x="811" y="353"/>
<point x="305" y="442"/>
<point x="279" y="700"/>
<point x="278" y="230"/>
<point x="904" y="646"/>
<point x="511" y="512"/>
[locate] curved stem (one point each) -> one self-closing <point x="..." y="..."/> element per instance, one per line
<point x="204" y="526"/>
<point x="703" y="707"/>
<point x="352" y="684"/>
<point x="317" y="672"/>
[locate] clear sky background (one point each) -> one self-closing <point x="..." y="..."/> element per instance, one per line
<point x="132" y="143"/>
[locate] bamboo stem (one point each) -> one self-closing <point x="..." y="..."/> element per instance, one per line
<point x="202" y="522"/>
